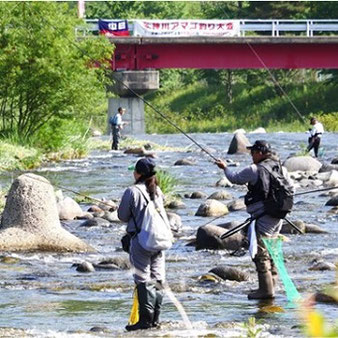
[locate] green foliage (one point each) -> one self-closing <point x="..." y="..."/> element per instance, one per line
<point x="18" y="157"/>
<point x="44" y="72"/>
<point x="252" y="330"/>
<point x="203" y="107"/>
<point x="329" y="121"/>
<point x="166" y="182"/>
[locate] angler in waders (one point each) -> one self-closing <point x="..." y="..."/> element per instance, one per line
<point x="149" y="274"/>
<point x="264" y="225"/>
<point x="117" y="124"/>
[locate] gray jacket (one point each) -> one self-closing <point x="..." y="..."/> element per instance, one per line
<point x="133" y="205"/>
<point x="265" y="225"/>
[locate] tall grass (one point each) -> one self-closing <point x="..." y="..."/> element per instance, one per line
<point x="203" y="108"/>
<point x="166" y="182"/>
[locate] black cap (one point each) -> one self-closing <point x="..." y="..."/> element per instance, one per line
<point x="145" y="167"/>
<point x="260" y="145"/>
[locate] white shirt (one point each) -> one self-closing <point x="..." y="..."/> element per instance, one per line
<point x="317" y="129"/>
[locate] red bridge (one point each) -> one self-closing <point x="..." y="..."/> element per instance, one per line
<point x="141" y="53"/>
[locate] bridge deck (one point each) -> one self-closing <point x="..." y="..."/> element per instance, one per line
<point x="139" y="53"/>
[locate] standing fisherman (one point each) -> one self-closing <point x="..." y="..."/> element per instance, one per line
<point x="117" y="124"/>
<point x="265" y="225"/>
<point x="316" y="133"/>
<point x="149" y="266"/>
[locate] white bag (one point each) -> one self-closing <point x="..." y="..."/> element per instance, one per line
<point x="155" y="233"/>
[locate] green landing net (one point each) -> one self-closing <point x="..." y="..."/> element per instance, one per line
<point x="274" y="246"/>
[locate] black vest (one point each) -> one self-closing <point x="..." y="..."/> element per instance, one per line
<point x="260" y="190"/>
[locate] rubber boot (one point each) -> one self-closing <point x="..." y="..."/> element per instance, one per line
<point x="158" y="305"/>
<point x="265" y="290"/>
<point x="146" y="294"/>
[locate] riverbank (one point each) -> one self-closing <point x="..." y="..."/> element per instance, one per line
<point x="204" y="108"/>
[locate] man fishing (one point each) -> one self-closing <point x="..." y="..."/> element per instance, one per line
<point x="264" y="225"/>
<point x="117" y="124"/>
<point x="316" y="133"/>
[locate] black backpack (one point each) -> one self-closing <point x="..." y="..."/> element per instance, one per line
<point x="279" y="193"/>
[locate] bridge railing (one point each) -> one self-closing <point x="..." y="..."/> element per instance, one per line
<point x="256" y="27"/>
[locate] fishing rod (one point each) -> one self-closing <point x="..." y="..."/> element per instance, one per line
<point x="274" y="80"/>
<point x="316" y="190"/>
<point x="68" y="189"/>
<point x="134" y="93"/>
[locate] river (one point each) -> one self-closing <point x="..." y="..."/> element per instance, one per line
<point x="44" y="295"/>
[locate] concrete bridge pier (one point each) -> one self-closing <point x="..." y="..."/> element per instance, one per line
<point x="141" y="82"/>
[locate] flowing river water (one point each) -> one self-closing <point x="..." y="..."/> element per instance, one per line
<point x="44" y="295"/>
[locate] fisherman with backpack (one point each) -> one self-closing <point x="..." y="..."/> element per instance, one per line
<point x="148" y="235"/>
<point x="116" y="125"/>
<point x="269" y="199"/>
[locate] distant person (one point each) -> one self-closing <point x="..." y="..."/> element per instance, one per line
<point x="117" y="124"/>
<point x="316" y="133"/>
<point x="258" y="182"/>
<point x="149" y="274"/>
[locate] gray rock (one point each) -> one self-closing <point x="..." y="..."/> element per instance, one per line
<point x="176" y="205"/>
<point x="328" y="167"/>
<point x="135" y="151"/>
<point x="238" y="144"/>
<point x="323" y="266"/>
<point x="220" y="195"/>
<point x="175" y="222"/>
<point x="198" y="194"/>
<point x="224" y="182"/>
<point x="314" y="229"/>
<point x="332" y="202"/>
<point x="302" y="163"/>
<point x="119" y="262"/>
<point x="288" y="229"/>
<point x="184" y="162"/>
<point x="334" y="160"/>
<point x="111" y="216"/>
<point x="236" y="205"/>
<point x="208" y="237"/>
<point x="85" y="267"/>
<point x="227" y="273"/>
<point x="95" y="222"/>
<point x="324" y="298"/>
<point x="30" y="221"/>
<point x="108" y="206"/>
<point x="69" y="209"/>
<point x="212" y="208"/>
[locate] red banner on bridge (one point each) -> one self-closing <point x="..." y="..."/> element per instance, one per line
<point x="186" y="28"/>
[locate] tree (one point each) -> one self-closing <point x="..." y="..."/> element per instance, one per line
<point x="45" y="73"/>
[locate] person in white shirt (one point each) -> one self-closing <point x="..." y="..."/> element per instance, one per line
<point x="316" y="133"/>
<point x="116" y="126"/>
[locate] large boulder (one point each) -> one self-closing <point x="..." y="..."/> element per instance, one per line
<point x="238" y="144"/>
<point x="302" y="163"/>
<point x="212" y="208"/>
<point x="30" y="221"/>
<point x="208" y="237"/>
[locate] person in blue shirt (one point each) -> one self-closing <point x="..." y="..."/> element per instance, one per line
<point x="117" y="124"/>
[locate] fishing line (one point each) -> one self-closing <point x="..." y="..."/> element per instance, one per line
<point x="274" y="80"/>
<point x="132" y="91"/>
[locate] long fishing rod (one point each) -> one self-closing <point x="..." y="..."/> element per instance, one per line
<point x="316" y="190"/>
<point x="136" y="94"/>
<point x="274" y="80"/>
<point x="67" y="189"/>
<point x="166" y="118"/>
